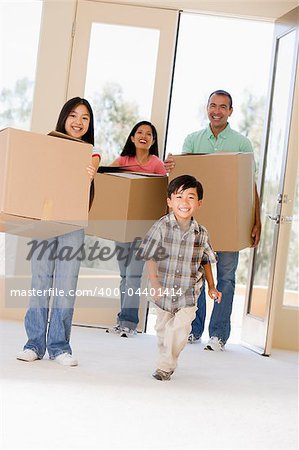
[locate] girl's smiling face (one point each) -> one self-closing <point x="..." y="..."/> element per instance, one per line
<point x="77" y="122"/>
<point x="143" y="137"/>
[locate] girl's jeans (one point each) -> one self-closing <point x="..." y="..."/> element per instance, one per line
<point x="56" y="272"/>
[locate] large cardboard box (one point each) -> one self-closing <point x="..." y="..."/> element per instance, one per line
<point x="44" y="186"/>
<point x="126" y="205"/>
<point x="228" y="203"/>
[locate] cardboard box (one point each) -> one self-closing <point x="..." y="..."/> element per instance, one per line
<point x="228" y="203"/>
<point x="126" y="205"/>
<point x="44" y="186"/>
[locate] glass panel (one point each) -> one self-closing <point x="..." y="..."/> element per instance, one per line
<point x="19" y="35"/>
<point x="279" y="130"/>
<point x="291" y="294"/>
<point x="120" y="82"/>
<point x="244" y="73"/>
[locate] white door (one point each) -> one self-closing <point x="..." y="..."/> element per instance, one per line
<point x="268" y="285"/>
<point x="129" y="50"/>
<point x="122" y="62"/>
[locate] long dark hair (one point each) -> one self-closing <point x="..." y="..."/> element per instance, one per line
<point x="88" y="137"/>
<point x="129" y="147"/>
<point x="69" y="106"/>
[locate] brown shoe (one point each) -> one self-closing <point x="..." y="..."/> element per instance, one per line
<point x="161" y="375"/>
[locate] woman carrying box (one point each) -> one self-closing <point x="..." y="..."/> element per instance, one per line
<point x="58" y="275"/>
<point x="140" y="154"/>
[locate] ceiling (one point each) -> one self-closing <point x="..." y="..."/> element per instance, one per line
<point x="258" y="9"/>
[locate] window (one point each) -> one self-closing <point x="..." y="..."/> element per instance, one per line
<point x="19" y="35"/>
<point x="220" y="53"/>
<point x="120" y="82"/>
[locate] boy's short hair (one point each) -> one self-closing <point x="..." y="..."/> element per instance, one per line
<point x="185" y="182"/>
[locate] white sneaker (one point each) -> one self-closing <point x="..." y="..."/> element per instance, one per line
<point x="215" y="344"/>
<point x="27" y="355"/>
<point x="192" y="339"/>
<point x="127" y="332"/>
<point x="66" y="359"/>
<point x="114" y="330"/>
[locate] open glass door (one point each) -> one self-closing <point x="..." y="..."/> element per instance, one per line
<point x="266" y="260"/>
<point x="125" y="58"/>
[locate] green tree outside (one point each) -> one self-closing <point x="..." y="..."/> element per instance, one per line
<point x="15" y="105"/>
<point x="114" y="119"/>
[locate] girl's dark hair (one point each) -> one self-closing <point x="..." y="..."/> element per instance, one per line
<point x="129" y="147"/>
<point x="185" y="182"/>
<point x="69" y="106"/>
<point x="225" y="93"/>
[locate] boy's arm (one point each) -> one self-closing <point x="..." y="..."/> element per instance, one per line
<point x="213" y="293"/>
<point x="153" y="277"/>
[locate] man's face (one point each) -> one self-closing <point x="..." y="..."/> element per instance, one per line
<point x="219" y="111"/>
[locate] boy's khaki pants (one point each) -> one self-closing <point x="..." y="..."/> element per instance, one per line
<point x="172" y="332"/>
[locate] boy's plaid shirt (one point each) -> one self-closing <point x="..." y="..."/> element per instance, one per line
<point x="182" y="270"/>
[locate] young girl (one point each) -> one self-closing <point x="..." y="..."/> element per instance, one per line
<point x="140" y="154"/>
<point x="76" y="120"/>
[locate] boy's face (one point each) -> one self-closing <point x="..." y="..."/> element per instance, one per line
<point x="184" y="203"/>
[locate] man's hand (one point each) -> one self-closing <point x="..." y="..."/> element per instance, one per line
<point x="256" y="234"/>
<point x="215" y="295"/>
<point x="169" y="163"/>
<point x="257" y="227"/>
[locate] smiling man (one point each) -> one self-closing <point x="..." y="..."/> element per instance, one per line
<point x="219" y="137"/>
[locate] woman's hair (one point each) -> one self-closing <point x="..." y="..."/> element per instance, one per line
<point x="129" y="147"/>
<point x="184" y="182"/>
<point x="69" y="106"/>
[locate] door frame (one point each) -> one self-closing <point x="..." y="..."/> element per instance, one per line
<point x="257" y="332"/>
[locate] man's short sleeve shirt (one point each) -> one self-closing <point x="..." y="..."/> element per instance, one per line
<point x="228" y="140"/>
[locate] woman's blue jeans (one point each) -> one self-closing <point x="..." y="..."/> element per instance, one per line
<point x="220" y="325"/>
<point x="130" y="273"/>
<point x="58" y="276"/>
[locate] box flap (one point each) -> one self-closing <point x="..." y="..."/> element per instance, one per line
<point x="211" y="154"/>
<point x="58" y="134"/>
